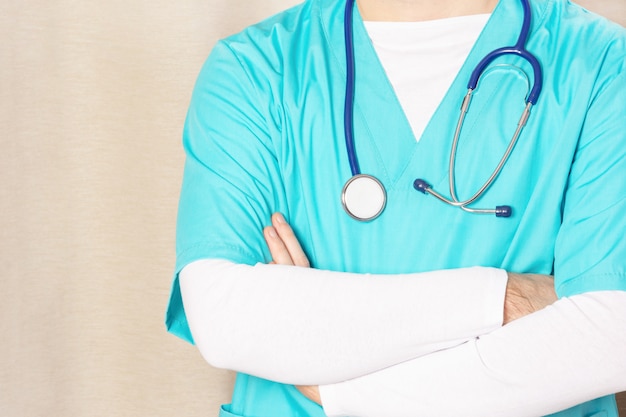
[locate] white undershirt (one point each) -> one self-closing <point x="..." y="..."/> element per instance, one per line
<point x="422" y="59"/>
<point x="307" y="326"/>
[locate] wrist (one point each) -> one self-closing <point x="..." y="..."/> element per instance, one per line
<point x="516" y="304"/>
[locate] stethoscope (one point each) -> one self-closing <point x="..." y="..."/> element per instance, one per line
<point x="364" y="197"/>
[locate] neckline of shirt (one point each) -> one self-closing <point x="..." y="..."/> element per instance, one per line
<point x="432" y="22"/>
<point x="443" y="30"/>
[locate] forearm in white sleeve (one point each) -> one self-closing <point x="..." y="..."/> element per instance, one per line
<point x="306" y="326"/>
<point x="568" y="353"/>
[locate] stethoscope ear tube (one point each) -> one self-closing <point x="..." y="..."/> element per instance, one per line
<point x="518" y="49"/>
<point x="500" y="211"/>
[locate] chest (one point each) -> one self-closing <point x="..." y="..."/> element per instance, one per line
<point x="418" y="232"/>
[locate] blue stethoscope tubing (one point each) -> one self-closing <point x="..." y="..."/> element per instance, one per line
<point x="348" y="109"/>
<point x="519" y="49"/>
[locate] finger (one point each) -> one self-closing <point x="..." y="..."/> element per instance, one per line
<point x="278" y="250"/>
<point x="289" y="239"/>
<point x="312" y="392"/>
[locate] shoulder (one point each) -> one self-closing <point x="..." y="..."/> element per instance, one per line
<point x="266" y="60"/>
<point x="269" y="42"/>
<point x="584" y="30"/>
<point x="245" y="60"/>
<point x="579" y="46"/>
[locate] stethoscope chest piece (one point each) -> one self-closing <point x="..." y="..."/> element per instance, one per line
<point x="363" y="197"/>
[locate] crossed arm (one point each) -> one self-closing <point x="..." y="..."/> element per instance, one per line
<point x="575" y="344"/>
<point x="525" y="293"/>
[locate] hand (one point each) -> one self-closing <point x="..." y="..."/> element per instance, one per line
<point x="286" y="250"/>
<point x="527" y="293"/>
<point x="283" y="243"/>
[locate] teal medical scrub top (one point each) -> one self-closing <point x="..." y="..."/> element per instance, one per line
<point x="264" y="133"/>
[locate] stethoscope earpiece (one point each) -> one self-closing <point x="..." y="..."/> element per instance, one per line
<point x="421" y="186"/>
<point x="504" y="211"/>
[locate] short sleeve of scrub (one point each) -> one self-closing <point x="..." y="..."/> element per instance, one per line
<point x="231" y="181"/>
<point x="590" y="252"/>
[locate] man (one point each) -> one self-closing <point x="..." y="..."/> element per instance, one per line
<point x="264" y="135"/>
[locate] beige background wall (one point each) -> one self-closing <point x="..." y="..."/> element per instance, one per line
<point x="92" y="99"/>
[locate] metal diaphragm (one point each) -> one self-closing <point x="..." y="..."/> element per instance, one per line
<point x="363" y="197"/>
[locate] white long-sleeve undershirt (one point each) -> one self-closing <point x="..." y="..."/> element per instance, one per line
<point x="568" y="353"/>
<point x="308" y="326"/>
